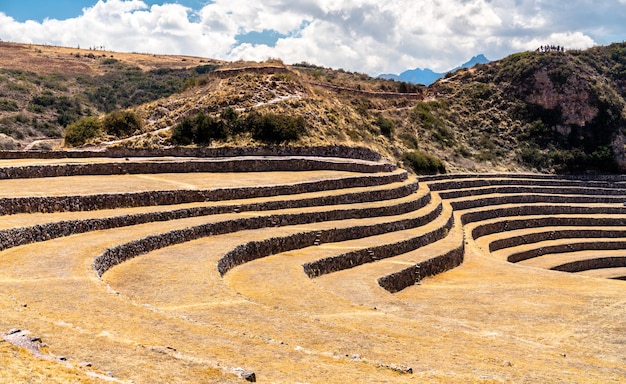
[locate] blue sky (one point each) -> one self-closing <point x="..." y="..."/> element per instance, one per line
<point x="38" y="10"/>
<point x="370" y="36"/>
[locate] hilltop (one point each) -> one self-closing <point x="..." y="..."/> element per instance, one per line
<point x="543" y="111"/>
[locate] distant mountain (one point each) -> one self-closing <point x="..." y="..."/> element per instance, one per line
<point x="427" y="76"/>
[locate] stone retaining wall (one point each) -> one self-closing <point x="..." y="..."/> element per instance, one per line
<point x="536" y="237"/>
<point x="514" y="189"/>
<point x="370" y="94"/>
<point x="515" y="223"/>
<point x="264" y="70"/>
<point x="597" y="263"/>
<point x="340" y="151"/>
<point x="528" y="210"/>
<point x="398" y="281"/>
<point x="152" y="198"/>
<point x="120" y="253"/>
<point x="530" y="198"/>
<point x="257" y="164"/>
<point x="455" y="185"/>
<point x="541" y="176"/>
<point x="257" y="249"/>
<point x="371" y="254"/>
<point x="565" y="248"/>
<point x="19" y="236"/>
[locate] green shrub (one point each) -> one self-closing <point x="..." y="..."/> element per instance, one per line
<point x="385" y="125"/>
<point x="206" y="128"/>
<point x="203" y="69"/>
<point x="534" y="157"/>
<point x="122" y="123"/>
<point x="79" y="132"/>
<point x="8" y="105"/>
<point x="182" y="133"/>
<point x="275" y="128"/>
<point x="270" y="127"/>
<point x="423" y="163"/>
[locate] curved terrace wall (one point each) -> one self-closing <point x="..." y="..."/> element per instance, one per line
<point x="19" y="236"/>
<point x="254" y="164"/>
<point x="536" y="237"/>
<point x="405" y="278"/>
<point x="254" y="250"/>
<point x="152" y="198"/>
<point x="594" y="263"/>
<point x="340" y="151"/>
<point x="565" y="248"/>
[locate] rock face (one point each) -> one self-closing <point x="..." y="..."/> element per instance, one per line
<point x="554" y="111"/>
<point x="573" y="99"/>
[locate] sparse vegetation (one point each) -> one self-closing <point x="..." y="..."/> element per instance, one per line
<point x="81" y="131"/>
<point x="269" y="127"/>
<point x="529" y="110"/>
<point x="122" y="123"/>
<point x="8" y="105"/>
<point x="423" y="163"/>
<point x="386" y="126"/>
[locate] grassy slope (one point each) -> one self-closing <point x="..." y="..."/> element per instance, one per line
<point x="559" y="112"/>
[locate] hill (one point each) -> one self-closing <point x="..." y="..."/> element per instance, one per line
<point x="553" y="111"/>
<point x="544" y="111"/>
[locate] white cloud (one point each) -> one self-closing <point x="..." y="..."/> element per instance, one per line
<point x="363" y="35"/>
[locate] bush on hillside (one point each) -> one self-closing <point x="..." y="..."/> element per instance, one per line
<point x="386" y="126"/>
<point x="275" y="128"/>
<point x="122" y="123"/>
<point x="423" y="163"/>
<point x="83" y="130"/>
<point x="206" y="128"/>
<point x="270" y="127"/>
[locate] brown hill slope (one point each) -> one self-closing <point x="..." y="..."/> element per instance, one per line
<point x="555" y="112"/>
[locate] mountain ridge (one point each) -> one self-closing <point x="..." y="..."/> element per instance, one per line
<point x="427" y="76"/>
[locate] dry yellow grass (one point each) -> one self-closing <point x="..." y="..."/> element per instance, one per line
<point x="168" y="316"/>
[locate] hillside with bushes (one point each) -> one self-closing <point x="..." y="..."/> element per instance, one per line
<point x="560" y="112"/>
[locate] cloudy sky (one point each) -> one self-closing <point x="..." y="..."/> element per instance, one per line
<point x="371" y="36"/>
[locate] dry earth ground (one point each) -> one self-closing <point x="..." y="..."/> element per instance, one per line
<point x="169" y="316"/>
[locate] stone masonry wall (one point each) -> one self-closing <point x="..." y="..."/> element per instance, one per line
<point x="368" y="255"/>
<point x="539" y="176"/>
<point x="515" y="189"/>
<point x="530" y="198"/>
<point x="340" y="151"/>
<point x="398" y="281"/>
<point x="535" y="237"/>
<point x="564" y="248"/>
<point x="597" y="263"/>
<point x="527" y="210"/>
<point x="258" y="164"/>
<point x="152" y="198"/>
<point x="19" y="236"/>
<point x="513" y="223"/>
<point x="120" y="253"/>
